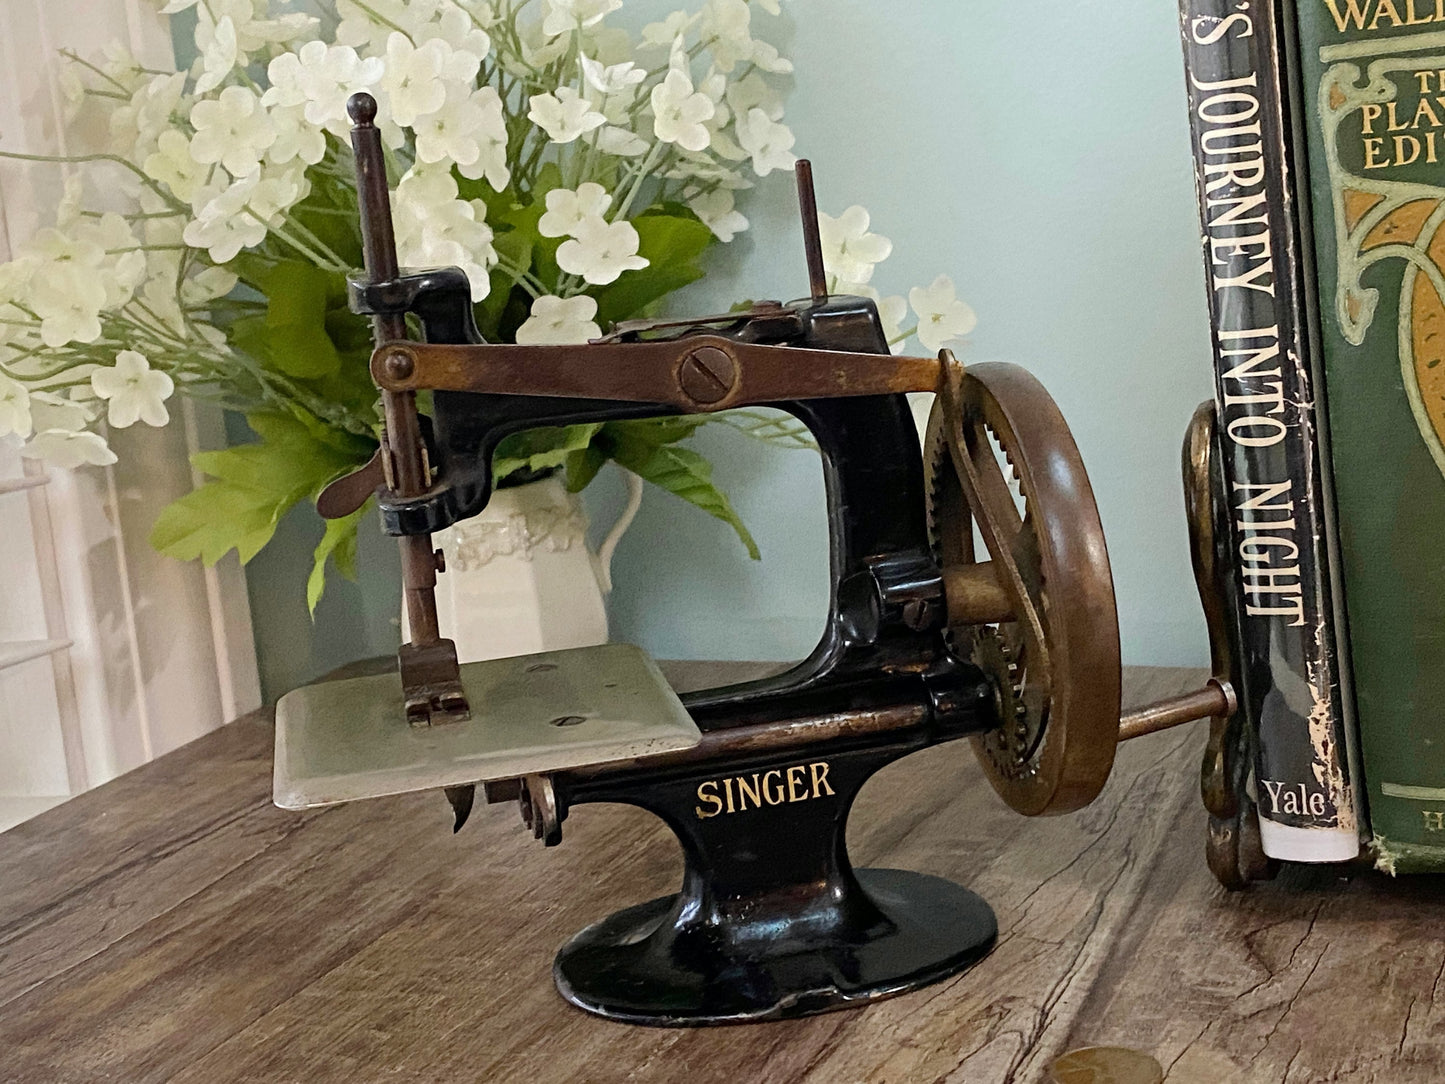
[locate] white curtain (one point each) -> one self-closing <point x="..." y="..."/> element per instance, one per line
<point x="158" y="651"/>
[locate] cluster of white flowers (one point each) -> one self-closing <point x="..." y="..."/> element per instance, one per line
<point x="851" y="252"/>
<point x="245" y="157"/>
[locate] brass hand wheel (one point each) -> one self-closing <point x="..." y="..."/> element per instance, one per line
<point x="1039" y="616"/>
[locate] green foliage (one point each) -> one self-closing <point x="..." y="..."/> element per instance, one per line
<point x="338" y="543"/>
<point x="541" y="449"/>
<point x="291" y="336"/>
<point x="254" y="486"/>
<point x="649" y="448"/>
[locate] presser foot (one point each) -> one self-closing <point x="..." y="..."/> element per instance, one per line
<point x="772" y="921"/>
<point x="431" y="684"/>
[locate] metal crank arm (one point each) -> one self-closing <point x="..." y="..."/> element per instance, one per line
<point x="696" y="374"/>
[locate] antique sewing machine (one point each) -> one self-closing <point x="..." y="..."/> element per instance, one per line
<point x="928" y="641"/>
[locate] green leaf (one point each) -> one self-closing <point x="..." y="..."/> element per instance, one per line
<point x="339" y="544"/>
<point x="292" y="337"/>
<point x="255" y="485"/>
<point x="515" y="247"/>
<point x="680" y="471"/>
<point x="218" y="517"/>
<point x="672" y="246"/>
<point x="541" y="449"/>
<point x="582" y="467"/>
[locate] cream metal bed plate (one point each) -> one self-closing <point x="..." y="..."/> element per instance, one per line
<point x="343" y="740"/>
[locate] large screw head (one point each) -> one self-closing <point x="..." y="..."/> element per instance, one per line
<point x="707" y="375"/>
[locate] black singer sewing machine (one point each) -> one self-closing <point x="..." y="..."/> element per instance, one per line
<point x="927" y="641"/>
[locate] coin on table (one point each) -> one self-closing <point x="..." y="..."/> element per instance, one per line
<point x="1106" y="1065"/>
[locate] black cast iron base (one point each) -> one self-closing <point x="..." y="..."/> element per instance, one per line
<point x="658" y="964"/>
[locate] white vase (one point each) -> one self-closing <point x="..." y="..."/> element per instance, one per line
<point x="519" y="577"/>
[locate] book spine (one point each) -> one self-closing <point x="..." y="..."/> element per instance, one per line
<point x="1261" y="324"/>
<point x="1373" y="91"/>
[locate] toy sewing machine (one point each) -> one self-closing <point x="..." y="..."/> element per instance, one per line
<point x="927" y="641"/>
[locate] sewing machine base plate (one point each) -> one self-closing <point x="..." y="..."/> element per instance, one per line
<point x="343" y="740"/>
<point x="657" y="964"/>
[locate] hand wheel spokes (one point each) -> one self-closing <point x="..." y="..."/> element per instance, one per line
<point x="1055" y="658"/>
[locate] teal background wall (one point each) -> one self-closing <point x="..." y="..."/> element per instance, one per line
<point x="1039" y="155"/>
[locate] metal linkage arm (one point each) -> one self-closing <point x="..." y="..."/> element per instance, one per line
<point x="696" y="374"/>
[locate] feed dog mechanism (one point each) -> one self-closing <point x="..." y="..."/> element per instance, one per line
<point x="1014" y="647"/>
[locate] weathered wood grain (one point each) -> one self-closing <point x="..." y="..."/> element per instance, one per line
<point x="174" y="926"/>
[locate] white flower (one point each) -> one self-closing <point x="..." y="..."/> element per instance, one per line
<point x="769" y="142"/>
<point x="240" y="215"/>
<point x="67" y="211"/>
<point x="253" y="32"/>
<point x="207" y="285"/>
<point x="133" y="391"/>
<point x="715" y="86"/>
<point x="417" y="76"/>
<point x="50" y="411"/>
<point x="941" y="316"/>
<point x="436" y="229"/>
<point x="231" y="129"/>
<point x="423" y="192"/>
<point x="321" y="78"/>
<point x="700" y="167"/>
<point x="491" y="135"/>
<point x="539" y="50"/>
<point x="566" y="15"/>
<point x="663" y="34"/>
<point x="560" y="320"/>
<point x="849" y="250"/>
<point x="296" y="138"/>
<point x="456" y="28"/>
<point x="173" y="166"/>
<point x="565" y="115"/>
<point x="725" y="32"/>
<point x="620" y="142"/>
<point x="566" y="209"/>
<point x="601" y="251"/>
<point x="371" y="22"/>
<point x="679" y="112"/>
<point x="454" y="133"/>
<point x="611" y="79"/>
<point x="716" y="209"/>
<point x="219" y="56"/>
<point x="15" y="406"/>
<point x="68" y="450"/>
<point x="770" y="6"/>
<point x="124" y="266"/>
<point x="67" y="287"/>
<point x="755" y="92"/>
<point x="766" y="58"/>
<point x="136" y="125"/>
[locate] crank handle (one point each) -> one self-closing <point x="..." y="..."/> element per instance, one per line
<point x="1216" y="700"/>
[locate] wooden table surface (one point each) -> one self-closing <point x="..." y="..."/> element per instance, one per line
<point x="174" y="925"/>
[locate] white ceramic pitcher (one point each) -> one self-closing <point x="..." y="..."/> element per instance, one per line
<point x="520" y="578"/>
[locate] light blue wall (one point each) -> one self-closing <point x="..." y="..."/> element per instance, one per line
<point x="1039" y="155"/>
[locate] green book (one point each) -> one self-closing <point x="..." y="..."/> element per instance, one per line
<point x="1371" y="87"/>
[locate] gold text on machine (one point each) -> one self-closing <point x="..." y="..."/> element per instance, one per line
<point x="739" y="793"/>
